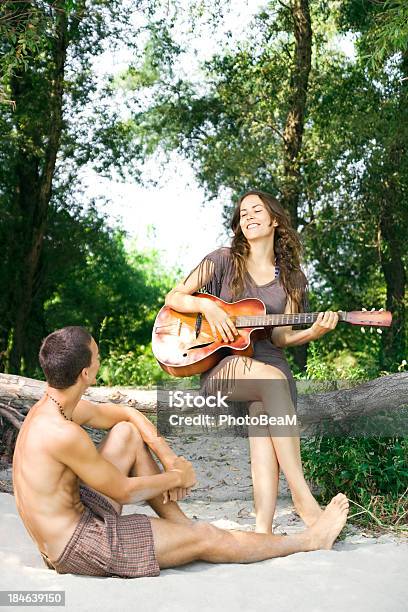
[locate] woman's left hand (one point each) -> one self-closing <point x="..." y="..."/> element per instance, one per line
<point x="325" y="322"/>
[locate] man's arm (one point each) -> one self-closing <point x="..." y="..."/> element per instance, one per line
<point x="105" y="416"/>
<point x="75" y="449"/>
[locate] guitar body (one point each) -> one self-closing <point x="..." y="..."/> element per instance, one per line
<point x="184" y="345"/>
<point x="178" y="350"/>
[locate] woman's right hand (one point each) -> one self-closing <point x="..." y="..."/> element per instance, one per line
<point x="219" y="321"/>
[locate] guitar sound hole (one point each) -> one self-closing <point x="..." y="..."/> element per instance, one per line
<point x="197" y="346"/>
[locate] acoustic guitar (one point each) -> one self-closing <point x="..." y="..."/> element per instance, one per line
<point x="184" y="345"/>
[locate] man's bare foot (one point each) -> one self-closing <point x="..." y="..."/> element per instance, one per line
<point x="322" y="534"/>
<point x="307" y="508"/>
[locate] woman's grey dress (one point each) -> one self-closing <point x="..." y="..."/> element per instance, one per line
<point x="274" y="297"/>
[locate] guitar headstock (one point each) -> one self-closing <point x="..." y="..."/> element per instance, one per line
<point x="376" y="318"/>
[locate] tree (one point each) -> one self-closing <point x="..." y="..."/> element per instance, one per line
<point x="48" y="49"/>
<point x="337" y="152"/>
<point x="385" y="184"/>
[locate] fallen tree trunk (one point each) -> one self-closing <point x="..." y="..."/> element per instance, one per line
<point x="359" y="408"/>
<point x="22" y="393"/>
<point x="341" y="406"/>
<point x="18" y="394"/>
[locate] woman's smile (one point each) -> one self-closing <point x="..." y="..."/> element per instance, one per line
<point x="254" y="217"/>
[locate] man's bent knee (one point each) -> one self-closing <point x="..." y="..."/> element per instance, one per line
<point x="126" y="433"/>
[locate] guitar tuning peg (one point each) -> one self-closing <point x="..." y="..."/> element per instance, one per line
<point x="371" y="330"/>
<point x="379" y="331"/>
<point x="363" y="330"/>
<point x="364" y="309"/>
<point x="372" y="309"/>
<point x="381" y="309"/>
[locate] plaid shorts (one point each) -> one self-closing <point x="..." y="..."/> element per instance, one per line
<point x="106" y="543"/>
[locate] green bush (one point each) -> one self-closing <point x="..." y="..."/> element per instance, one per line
<point x="372" y="472"/>
<point x="138" y="369"/>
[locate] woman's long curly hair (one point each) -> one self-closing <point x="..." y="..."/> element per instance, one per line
<point x="287" y="249"/>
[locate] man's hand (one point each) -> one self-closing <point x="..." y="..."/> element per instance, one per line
<point x="175" y="494"/>
<point x="325" y="322"/>
<point x="180" y="464"/>
<point x="188" y="477"/>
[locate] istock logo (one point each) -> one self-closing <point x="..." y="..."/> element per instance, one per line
<point x="179" y="399"/>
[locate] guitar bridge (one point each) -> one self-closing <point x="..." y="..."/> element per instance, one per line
<point x="170" y="329"/>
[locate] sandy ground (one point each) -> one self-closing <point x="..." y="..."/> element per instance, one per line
<point x="362" y="572"/>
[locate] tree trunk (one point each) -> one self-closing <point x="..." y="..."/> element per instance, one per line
<point x="394" y="227"/>
<point x="294" y="128"/>
<point x="22" y="393"/>
<point x="19" y="394"/>
<point x="339" y="407"/>
<point x="34" y="189"/>
<point x="394" y="346"/>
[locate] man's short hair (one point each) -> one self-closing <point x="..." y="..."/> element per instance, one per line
<point x="64" y="354"/>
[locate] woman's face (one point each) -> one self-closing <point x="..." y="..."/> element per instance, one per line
<point x="255" y="219"/>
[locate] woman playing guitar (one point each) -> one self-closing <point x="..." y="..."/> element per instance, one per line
<point x="263" y="262"/>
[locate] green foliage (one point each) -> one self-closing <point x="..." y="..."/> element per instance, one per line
<point x="22" y="32"/>
<point x="372" y="472"/>
<point x="136" y="368"/>
<point x="383" y="25"/>
<point x="115" y="292"/>
<point x="353" y="166"/>
<point x="229" y="123"/>
<point x="59" y="264"/>
<point x="330" y="367"/>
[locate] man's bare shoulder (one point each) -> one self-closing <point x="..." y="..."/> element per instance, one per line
<point x="68" y="439"/>
<point x="43" y="427"/>
<point x="45" y="442"/>
<point x="64" y="441"/>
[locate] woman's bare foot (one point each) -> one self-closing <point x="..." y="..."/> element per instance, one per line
<point x="307" y="508"/>
<point x="322" y="534"/>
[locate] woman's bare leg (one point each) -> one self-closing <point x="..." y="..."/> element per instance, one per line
<point x="306" y="505"/>
<point x="265" y="472"/>
<point x="256" y="381"/>
<point x="177" y="544"/>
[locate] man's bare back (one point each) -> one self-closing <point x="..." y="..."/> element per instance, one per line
<point x="46" y="491"/>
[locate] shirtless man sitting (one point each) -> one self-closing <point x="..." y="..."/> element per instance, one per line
<point x="70" y="493"/>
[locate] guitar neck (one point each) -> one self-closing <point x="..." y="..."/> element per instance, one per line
<point x="279" y="320"/>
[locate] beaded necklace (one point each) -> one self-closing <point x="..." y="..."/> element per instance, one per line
<point x="59" y="406"/>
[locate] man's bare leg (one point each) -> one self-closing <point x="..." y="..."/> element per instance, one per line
<point x="145" y="465"/>
<point x="178" y="544"/>
<point x="124" y="447"/>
